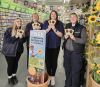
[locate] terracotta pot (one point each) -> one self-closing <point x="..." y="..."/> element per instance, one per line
<point x="94" y="84"/>
<point x="45" y="84"/>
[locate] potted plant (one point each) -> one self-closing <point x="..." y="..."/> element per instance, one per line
<point x="95" y="75"/>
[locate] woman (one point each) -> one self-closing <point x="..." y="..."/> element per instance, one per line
<point x="54" y="29"/>
<point x="33" y="25"/>
<point x="74" y="46"/>
<point x="13" y="48"/>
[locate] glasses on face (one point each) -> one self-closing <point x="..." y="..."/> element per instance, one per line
<point x="71" y="31"/>
<point x="52" y="21"/>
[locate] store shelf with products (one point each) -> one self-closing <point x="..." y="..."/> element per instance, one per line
<point x="6" y="20"/>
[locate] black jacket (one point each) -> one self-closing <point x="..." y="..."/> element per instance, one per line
<point x="80" y="36"/>
<point x="27" y="31"/>
<point x="9" y="39"/>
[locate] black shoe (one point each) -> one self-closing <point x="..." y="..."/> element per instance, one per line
<point x="15" y="80"/>
<point x="10" y="81"/>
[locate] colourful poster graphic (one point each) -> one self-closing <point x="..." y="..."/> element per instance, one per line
<point x="37" y="49"/>
<point x="37" y="56"/>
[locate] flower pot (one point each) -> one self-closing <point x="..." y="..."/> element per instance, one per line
<point x="94" y="84"/>
<point x="45" y="84"/>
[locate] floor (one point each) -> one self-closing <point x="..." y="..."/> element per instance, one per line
<point x="22" y="71"/>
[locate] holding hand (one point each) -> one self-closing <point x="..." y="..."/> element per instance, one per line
<point x="20" y="33"/>
<point x="66" y="36"/>
<point x="72" y="37"/>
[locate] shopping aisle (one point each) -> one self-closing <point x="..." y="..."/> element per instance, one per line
<point x="22" y="71"/>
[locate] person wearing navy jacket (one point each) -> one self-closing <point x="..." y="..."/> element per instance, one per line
<point x="55" y="30"/>
<point x="13" y="52"/>
<point x="33" y="25"/>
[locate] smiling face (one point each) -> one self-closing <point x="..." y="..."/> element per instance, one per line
<point x="73" y="18"/>
<point x="35" y="17"/>
<point x="18" y="23"/>
<point x="53" y="15"/>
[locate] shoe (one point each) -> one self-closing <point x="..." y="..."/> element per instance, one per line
<point x="15" y="80"/>
<point x="52" y="81"/>
<point x="10" y="81"/>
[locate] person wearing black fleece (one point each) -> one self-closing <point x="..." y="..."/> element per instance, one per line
<point x="74" y="46"/>
<point x="13" y="48"/>
<point x="33" y="25"/>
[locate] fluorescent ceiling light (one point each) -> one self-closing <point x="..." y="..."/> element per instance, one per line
<point x="66" y="1"/>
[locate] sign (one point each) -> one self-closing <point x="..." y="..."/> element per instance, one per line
<point x="37" y="48"/>
<point x="37" y="56"/>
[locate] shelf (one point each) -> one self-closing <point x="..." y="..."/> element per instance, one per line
<point x="6" y="20"/>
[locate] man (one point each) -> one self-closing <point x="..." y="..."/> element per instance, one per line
<point x="74" y="46"/>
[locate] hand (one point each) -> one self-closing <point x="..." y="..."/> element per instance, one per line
<point x="16" y="36"/>
<point x="20" y="36"/>
<point x="53" y="28"/>
<point x="49" y="27"/>
<point x="72" y="37"/>
<point x="66" y="36"/>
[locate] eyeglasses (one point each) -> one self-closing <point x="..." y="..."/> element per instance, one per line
<point x="71" y="31"/>
<point x="52" y="21"/>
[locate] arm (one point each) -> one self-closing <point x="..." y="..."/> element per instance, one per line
<point x="60" y="31"/>
<point x="46" y="27"/>
<point x="8" y="37"/>
<point x="83" y="38"/>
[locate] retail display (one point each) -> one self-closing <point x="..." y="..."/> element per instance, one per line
<point x="93" y="49"/>
<point x="6" y="20"/>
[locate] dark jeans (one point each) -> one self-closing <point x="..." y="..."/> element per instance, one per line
<point x="51" y="60"/>
<point x="72" y="65"/>
<point x="12" y="64"/>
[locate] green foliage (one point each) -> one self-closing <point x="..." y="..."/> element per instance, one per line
<point x="96" y="73"/>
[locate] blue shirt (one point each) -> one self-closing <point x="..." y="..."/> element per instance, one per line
<point x="52" y="40"/>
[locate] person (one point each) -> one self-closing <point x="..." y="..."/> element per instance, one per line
<point x="33" y="25"/>
<point x="54" y="29"/>
<point x="13" y="48"/>
<point x="74" y="46"/>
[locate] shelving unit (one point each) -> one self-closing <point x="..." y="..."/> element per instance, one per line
<point x="6" y="20"/>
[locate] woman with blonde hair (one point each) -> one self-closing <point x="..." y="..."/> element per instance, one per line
<point x="13" y="48"/>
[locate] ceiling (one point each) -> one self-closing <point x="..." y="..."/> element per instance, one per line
<point x="57" y="2"/>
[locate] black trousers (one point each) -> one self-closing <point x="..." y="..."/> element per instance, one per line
<point x="72" y="66"/>
<point x="12" y="64"/>
<point x="51" y="60"/>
